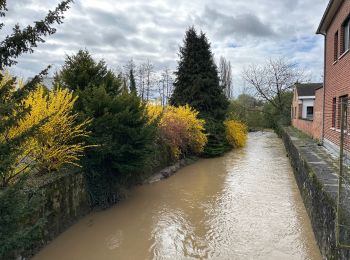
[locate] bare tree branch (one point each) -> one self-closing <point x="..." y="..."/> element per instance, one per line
<point x="225" y="73"/>
<point x="272" y="79"/>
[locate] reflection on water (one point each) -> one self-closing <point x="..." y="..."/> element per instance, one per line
<point x="245" y="205"/>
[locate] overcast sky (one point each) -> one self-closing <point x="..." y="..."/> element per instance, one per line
<point x="243" y="31"/>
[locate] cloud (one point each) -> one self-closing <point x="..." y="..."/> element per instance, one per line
<point x="243" y="31"/>
<point x="240" y="25"/>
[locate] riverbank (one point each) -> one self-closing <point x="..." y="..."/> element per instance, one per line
<point x="316" y="175"/>
<point x="169" y="171"/>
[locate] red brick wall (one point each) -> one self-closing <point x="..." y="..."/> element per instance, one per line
<point x="295" y="105"/>
<point x="314" y="127"/>
<point x="337" y="73"/>
<point x="318" y="114"/>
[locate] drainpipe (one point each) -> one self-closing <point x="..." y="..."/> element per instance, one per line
<point x="324" y="88"/>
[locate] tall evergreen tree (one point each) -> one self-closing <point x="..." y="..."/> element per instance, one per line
<point x="197" y="84"/>
<point x="132" y="82"/>
<point x="197" y="81"/>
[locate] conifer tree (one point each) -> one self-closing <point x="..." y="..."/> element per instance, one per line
<point x="120" y="132"/>
<point x="122" y="136"/>
<point x="25" y="40"/>
<point x="197" y="81"/>
<point x="197" y="84"/>
<point x="80" y="71"/>
<point x="132" y="82"/>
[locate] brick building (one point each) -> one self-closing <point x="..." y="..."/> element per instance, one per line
<point x="307" y="108"/>
<point x="335" y="27"/>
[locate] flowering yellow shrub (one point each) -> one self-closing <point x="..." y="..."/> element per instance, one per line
<point x="236" y="133"/>
<point x="154" y="112"/>
<point x="58" y="140"/>
<point x="180" y="128"/>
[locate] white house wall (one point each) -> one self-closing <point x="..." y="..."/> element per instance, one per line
<point x="307" y="103"/>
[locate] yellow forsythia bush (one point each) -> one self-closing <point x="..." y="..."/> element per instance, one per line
<point x="236" y="133"/>
<point x="58" y="140"/>
<point x="180" y="128"/>
<point x="154" y="112"/>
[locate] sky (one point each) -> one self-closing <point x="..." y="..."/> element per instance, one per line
<point x="243" y="31"/>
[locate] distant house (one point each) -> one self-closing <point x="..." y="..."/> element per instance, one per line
<point x="335" y="26"/>
<point x="307" y="108"/>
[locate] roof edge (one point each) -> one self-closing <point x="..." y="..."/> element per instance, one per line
<point x="324" y="17"/>
<point x="332" y="8"/>
<point x="300" y="88"/>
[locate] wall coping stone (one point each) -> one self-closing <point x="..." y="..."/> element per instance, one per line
<point x="319" y="161"/>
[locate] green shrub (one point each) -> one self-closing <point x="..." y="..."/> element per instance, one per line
<point x="123" y="138"/>
<point x="249" y="110"/>
<point x="278" y="117"/>
<point x="217" y="143"/>
<point x="21" y="220"/>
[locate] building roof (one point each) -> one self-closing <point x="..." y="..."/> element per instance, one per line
<point x="328" y="15"/>
<point x="307" y="89"/>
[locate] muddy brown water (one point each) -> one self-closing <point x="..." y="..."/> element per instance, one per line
<point x="245" y="205"/>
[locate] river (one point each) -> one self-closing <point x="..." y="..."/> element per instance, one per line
<point x="244" y="205"/>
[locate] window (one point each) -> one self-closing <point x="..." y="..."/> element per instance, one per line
<point x="309" y="112"/>
<point x="334" y="108"/>
<point x="346" y="34"/>
<point x="336" y="46"/>
<point x="343" y="102"/>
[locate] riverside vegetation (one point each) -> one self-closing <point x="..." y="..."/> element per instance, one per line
<point x="92" y="120"/>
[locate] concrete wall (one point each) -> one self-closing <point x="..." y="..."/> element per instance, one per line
<point x="317" y="182"/>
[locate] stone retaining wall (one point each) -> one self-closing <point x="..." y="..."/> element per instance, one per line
<point x="317" y="180"/>
<point x="65" y="201"/>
